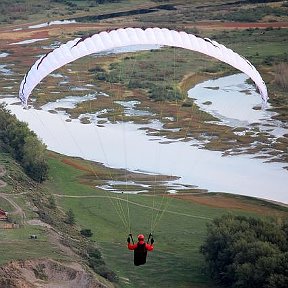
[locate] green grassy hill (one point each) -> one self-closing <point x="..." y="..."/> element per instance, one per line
<point x="178" y="234"/>
<point x="179" y="231"/>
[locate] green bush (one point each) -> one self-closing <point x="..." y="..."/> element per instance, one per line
<point x="97" y="263"/>
<point x="18" y="140"/>
<point x="169" y="93"/>
<point x="86" y="232"/>
<point x="247" y="252"/>
<point x="252" y="14"/>
<point x="70" y="217"/>
<point x="101" y="76"/>
<point x="96" y="69"/>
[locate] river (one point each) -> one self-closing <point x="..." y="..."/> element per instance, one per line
<point x="126" y="145"/>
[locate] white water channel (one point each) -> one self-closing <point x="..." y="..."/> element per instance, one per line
<point x="232" y="100"/>
<point x="125" y="145"/>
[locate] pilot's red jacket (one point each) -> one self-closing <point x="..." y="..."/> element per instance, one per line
<point x="140" y="251"/>
<point x="148" y="247"/>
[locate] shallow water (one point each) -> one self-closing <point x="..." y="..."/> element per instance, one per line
<point x="29" y="41"/>
<point x="232" y="99"/>
<point x="4" y="70"/>
<point x="125" y="145"/>
<point x="4" y="54"/>
<point x="57" y="22"/>
<point x="68" y="102"/>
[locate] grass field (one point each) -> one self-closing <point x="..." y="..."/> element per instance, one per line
<point x="33" y="10"/>
<point x="16" y="244"/>
<point x="179" y="232"/>
<point x="5" y="205"/>
<point x="256" y="44"/>
<point x="177" y="238"/>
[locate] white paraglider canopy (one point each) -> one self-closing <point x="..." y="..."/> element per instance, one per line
<point x="102" y="41"/>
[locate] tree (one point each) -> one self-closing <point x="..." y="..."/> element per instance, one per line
<point x="96" y="262"/>
<point x="34" y="159"/>
<point x="23" y="144"/>
<point x="247" y="252"/>
<point x="52" y="203"/>
<point x="86" y="232"/>
<point x="70" y="217"/>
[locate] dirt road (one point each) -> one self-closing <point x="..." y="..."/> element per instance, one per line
<point x="9" y="198"/>
<point x="2" y="173"/>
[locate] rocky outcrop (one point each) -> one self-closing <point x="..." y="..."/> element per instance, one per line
<point x="46" y="273"/>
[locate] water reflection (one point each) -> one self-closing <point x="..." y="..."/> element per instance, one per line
<point x="3" y="54"/>
<point x="29" y="41"/>
<point x="233" y="101"/>
<point x="130" y="108"/>
<point x="126" y="145"/>
<point x="67" y="102"/>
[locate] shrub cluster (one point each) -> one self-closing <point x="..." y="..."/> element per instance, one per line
<point x="252" y="14"/>
<point x="168" y="93"/>
<point x="97" y="263"/>
<point x="18" y="140"/>
<point x="247" y="252"/>
<point x="151" y="82"/>
<point x="70" y="217"/>
<point x="86" y="232"/>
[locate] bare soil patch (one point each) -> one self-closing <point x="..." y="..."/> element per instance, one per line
<point x="46" y="273"/>
<point x="76" y="165"/>
<point x="222" y="201"/>
<point x="97" y="170"/>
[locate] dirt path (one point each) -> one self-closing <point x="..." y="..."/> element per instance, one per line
<point x="134" y="203"/>
<point x="54" y="236"/>
<point x="18" y="210"/>
<point x="2" y="173"/>
<point x="8" y="197"/>
<point x="217" y="201"/>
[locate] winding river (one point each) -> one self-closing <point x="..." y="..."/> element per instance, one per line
<point x="126" y="145"/>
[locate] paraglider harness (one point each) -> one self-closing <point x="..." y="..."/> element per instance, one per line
<point x="140" y="252"/>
